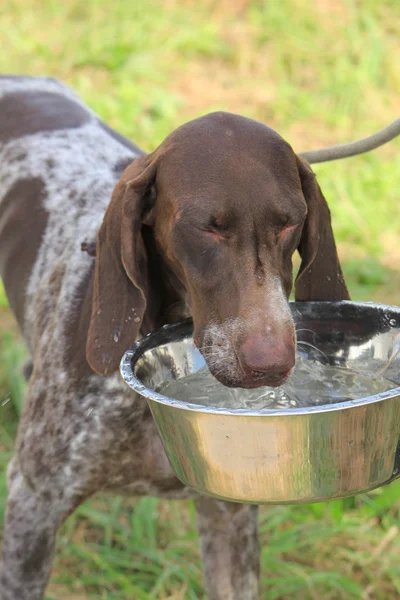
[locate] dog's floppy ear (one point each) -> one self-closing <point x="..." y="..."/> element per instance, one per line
<point x="320" y="276"/>
<point x="121" y="282"/>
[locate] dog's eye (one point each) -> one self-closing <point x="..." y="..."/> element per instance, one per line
<point x="287" y="234"/>
<point x="216" y="229"/>
<point x="288" y="226"/>
<point x="215" y="234"/>
<point x="286" y="229"/>
<point x="217" y="224"/>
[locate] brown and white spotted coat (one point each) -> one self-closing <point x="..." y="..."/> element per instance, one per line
<point x="83" y="431"/>
<point x="58" y="166"/>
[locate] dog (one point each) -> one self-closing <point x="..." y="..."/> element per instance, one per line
<point x="100" y="244"/>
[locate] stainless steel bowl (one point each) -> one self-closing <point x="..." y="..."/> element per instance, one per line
<point x="288" y="455"/>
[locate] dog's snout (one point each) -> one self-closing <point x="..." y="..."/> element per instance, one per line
<point x="266" y="357"/>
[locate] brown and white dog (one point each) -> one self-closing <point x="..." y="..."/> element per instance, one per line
<point x="204" y="226"/>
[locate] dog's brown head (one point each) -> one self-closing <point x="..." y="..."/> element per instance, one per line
<point x="216" y="212"/>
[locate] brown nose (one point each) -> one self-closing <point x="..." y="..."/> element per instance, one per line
<point x="271" y="357"/>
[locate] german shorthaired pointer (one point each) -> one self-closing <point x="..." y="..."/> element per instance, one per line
<point x="204" y="226"/>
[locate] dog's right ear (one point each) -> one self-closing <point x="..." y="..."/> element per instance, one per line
<point x="320" y="276"/>
<point x="121" y="282"/>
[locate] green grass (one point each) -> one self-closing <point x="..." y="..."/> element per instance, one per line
<point x="320" y="73"/>
<point x="3" y="299"/>
<point x="114" y="548"/>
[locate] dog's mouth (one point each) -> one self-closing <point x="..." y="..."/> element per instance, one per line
<point x="250" y="382"/>
<point x="224" y="364"/>
<point x="229" y="373"/>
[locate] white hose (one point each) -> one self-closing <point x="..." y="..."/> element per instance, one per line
<point x="353" y="148"/>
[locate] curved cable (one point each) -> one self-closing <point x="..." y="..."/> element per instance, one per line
<point x="353" y="148"/>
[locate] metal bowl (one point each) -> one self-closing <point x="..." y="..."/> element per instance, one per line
<point x="293" y="455"/>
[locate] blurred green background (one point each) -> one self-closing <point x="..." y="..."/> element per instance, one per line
<point x="319" y="72"/>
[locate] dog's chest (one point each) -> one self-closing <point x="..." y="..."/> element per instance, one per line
<point x="120" y="431"/>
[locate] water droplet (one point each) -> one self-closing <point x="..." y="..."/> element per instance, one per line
<point x="6" y="400"/>
<point x="136" y="319"/>
<point x="392" y="322"/>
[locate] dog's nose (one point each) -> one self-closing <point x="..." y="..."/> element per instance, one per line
<point x="264" y="357"/>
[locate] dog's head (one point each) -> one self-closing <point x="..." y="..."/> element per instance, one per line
<point x="217" y="211"/>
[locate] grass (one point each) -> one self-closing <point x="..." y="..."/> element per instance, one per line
<point x="320" y="73"/>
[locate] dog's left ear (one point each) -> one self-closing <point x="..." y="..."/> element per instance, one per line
<point x="320" y="276"/>
<point x="122" y="294"/>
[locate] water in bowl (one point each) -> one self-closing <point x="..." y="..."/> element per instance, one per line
<point x="311" y="384"/>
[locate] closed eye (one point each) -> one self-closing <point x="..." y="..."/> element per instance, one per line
<point x="218" y="224"/>
<point x="214" y="231"/>
<point x="209" y="233"/>
<point x="214" y="227"/>
<point x="215" y="234"/>
<point x="286" y="230"/>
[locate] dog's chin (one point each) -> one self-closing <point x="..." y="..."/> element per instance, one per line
<point x="249" y="383"/>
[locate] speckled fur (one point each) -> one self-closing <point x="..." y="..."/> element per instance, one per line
<point x="78" y="436"/>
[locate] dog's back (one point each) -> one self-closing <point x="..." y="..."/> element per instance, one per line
<point x="58" y="166"/>
<point x="80" y="432"/>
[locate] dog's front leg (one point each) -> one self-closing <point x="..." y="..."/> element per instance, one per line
<point x="30" y="529"/>
<point x="230" y="549"/>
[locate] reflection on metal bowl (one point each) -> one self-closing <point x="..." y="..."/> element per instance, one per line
<point x="290" y="455"/>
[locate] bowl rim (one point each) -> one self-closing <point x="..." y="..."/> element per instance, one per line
<point x="146" y="343"/>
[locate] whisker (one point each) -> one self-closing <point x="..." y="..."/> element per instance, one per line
<point x="210" y="346"/>
<point x="300" y="330"/>
<point x="214" y="356"/>
<point x="214" y="352"/>
<point x="390" y="361"/>
<point x="312" y="346"/>
<point x="174" y="304"/>
<point x="214" y="349"/>
<point x="381" y="372"/>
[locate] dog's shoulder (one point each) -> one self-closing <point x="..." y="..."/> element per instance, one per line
<point x="59" y="165"/>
